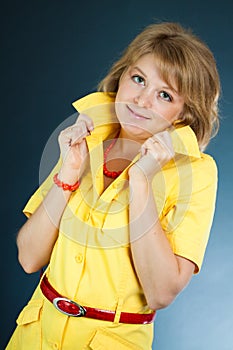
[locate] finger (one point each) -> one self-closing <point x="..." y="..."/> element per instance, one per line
<point x="144" y="148"/>
<point x="149" y="144"/>
<point x="153" y="147"/>
<point x="73" y="134"/>
<point x="165" y="140"/>
<point x="77" y="133"/>
<point x="87" y="120"/>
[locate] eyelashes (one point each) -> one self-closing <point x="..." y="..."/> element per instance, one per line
<point x="138" y="79"/>
<point x="164" y="95"/>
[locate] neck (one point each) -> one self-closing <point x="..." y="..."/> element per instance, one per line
<point x="127" y="143"/>
<point x="126" y="147"/>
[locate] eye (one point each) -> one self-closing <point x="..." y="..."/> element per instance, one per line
<point x="138" y="79"/>
<point x="165" y="96"/>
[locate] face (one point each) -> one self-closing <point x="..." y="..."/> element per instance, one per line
<point x="145" y="104"/>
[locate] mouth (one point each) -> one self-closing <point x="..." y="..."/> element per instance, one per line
<point x="137" y="115"/>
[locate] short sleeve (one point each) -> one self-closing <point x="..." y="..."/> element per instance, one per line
<point x="189" y="220"/>
<point x="38" y="197"/>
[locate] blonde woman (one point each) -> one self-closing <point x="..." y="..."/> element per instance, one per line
<point x="123" y="220"/>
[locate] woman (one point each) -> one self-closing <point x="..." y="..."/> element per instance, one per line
<point x="124" y="218"/>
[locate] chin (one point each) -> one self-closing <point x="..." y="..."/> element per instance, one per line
<point x="136" y="131"/>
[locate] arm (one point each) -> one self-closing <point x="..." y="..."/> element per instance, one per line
<point x="161" y="273"/>
<point x="38" y="235"/>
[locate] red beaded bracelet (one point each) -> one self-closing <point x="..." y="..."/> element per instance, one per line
<point x="64" y="186"/>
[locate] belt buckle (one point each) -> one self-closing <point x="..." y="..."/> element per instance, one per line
<point x="69" y="307"/>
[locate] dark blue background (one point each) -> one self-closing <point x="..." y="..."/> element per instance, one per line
<point x="54" y="52"/>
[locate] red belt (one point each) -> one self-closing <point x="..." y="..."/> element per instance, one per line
<point x="71" y="308"/>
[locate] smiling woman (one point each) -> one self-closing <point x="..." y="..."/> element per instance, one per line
<point x="147" y="98"/>
<point x="117" y="222"/>
<point x="183" y="61"/>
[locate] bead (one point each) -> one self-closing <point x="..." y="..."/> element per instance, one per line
<point x="65" y="186"/>
<point x="111" y="174"/>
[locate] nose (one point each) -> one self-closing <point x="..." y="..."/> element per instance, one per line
<point x="144" y="99"/>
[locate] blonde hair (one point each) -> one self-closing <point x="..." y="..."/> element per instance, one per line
<point x="183" y="58"/>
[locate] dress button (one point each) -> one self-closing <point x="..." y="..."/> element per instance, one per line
<point x="79" y="258"/>
<point x="56" y="346"/>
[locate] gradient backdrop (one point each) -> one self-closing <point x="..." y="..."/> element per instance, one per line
<point x="54" y="52"/>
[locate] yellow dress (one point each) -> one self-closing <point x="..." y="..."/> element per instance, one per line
<point x="91" y="261"/>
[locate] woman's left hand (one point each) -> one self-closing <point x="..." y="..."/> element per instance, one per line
<point x="155" y="153"/>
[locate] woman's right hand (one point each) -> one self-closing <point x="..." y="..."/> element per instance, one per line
<point x="73" y="148"/>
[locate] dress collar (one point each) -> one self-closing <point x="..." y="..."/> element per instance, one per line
<point x="183" y="138"/>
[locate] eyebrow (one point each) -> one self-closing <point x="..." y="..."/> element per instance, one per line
<point x="170" y="88"/>
<point x="136" y="67"/>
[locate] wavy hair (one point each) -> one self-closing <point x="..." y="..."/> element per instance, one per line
<point x="183" y="58"/>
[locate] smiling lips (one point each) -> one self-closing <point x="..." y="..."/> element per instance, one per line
<point x="136" y="114"/>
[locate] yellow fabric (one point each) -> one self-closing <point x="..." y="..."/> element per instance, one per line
<point x="91" y="261"/>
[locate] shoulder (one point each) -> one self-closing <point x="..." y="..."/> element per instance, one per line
<point x="205" y="166"/>
<point x="204" y="176"/>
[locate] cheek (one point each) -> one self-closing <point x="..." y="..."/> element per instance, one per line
<point x="173" y="114"/>
<point x="124" y="92"/>
<point x="120" y="90"/>
<point x="178" y="114"/>
<point x="118" y="95"/>
<point x="159" y="124"/>
<point x="118" y="109"/>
